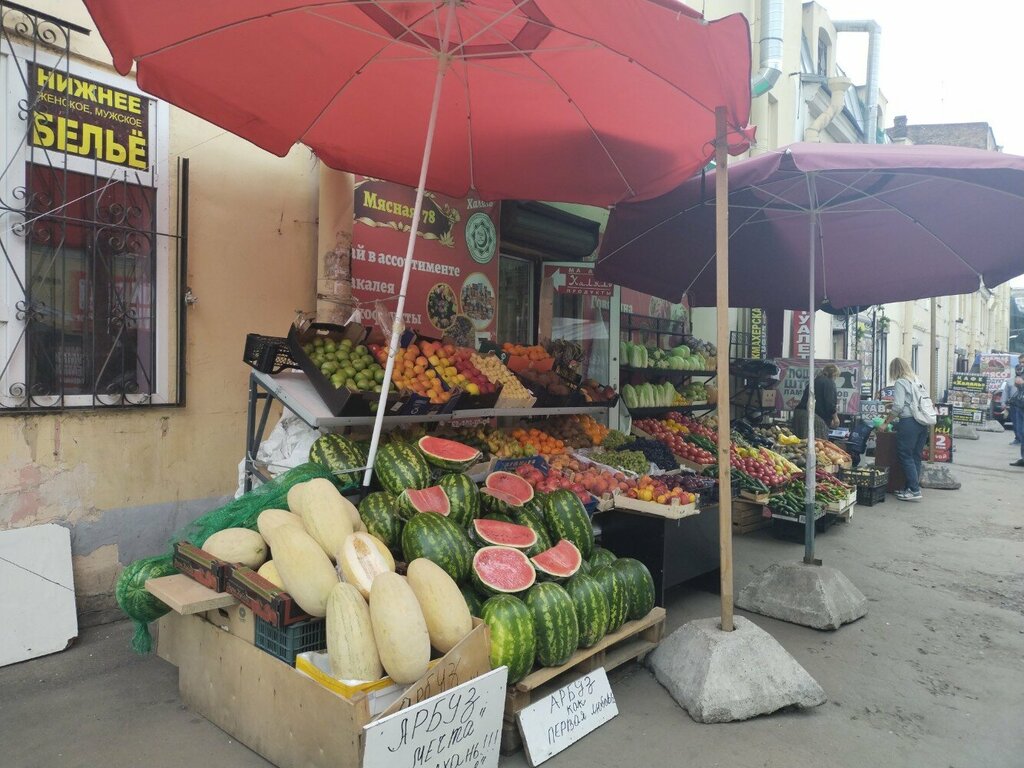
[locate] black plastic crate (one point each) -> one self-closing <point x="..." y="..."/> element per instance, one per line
<point x="285" y="643"/>
<point x="868" y="497"/>
<point x="267" y="354"/>
<point x="866" y="477"/>
<point x="792" y="530"/>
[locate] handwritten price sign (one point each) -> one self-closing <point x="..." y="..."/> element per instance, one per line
<point x="460" y="728"/>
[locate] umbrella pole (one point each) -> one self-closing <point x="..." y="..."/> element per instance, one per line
<point x="811" y="438"/>
<point x="722" y="367"/>
<point x="397" y="325"/>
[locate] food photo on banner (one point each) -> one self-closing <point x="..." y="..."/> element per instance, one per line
<point x="793" y="381"/>
<point x="453" y="286"/>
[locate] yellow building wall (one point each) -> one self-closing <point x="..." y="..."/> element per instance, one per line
<point x="123" y="481"/>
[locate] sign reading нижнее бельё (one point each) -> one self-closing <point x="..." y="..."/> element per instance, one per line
<point x="85" y="118"/>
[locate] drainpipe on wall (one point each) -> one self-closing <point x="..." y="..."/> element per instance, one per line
<point x="770" y="47"/>
<point x="874" y="58"/>
<point x="838" y="86"/>
<point x="334" y="302"/>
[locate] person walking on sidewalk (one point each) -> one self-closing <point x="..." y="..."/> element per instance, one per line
<point x="910" y="435"/>
<point x="1013" y="398"/>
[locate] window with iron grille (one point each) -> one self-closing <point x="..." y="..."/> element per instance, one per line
<point x="89" y="298"/>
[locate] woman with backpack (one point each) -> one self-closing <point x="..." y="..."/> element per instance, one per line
<point x="911" y="433"/>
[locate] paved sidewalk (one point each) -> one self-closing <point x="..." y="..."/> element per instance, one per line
<point x="933" y="676"/>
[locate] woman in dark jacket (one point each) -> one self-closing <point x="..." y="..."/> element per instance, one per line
<point x="825" y="405"/>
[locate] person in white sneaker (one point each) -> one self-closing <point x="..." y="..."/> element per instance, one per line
<point x="910" y="435"/>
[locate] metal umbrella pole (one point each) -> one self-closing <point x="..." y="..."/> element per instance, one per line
<point x="811" y="437"/>
<point x="397" y="324"/>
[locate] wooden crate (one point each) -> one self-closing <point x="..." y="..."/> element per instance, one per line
<point x="674" y="511"/>
<point x="631" y="642"/>
<point x="747" y="516"/>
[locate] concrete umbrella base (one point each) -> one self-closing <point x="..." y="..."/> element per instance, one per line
<point x="810" y="595"/>
<point x="720" y="677"/>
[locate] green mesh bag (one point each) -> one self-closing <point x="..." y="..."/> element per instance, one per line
<point x="141" y="607"/>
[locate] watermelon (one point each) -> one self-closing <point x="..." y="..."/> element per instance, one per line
<point x="567" y="519"/>
<point x="560" y="562"/>
<point x="502" y="570"/>
<point x="513" y="639"/>
<point x="498" y="502"/>
<point x="447" y="454"/>
<point x="554" y="623"/>
<point x="591" y="608"/>
<point x="439" y="540"/>
<point x="432" y="499"/>
<point x="584" y="566"/>
<point x="379" y="513"/>
<point x="488" y="533"/>
<point x="400" y="466"/>
<point x="535" y="521"/>
<point x="601" y="556"/>
<point x="339" y="453"/>
<point x="463" y="498"/>
<point x="639" y="587"/>
<point x="614" y="585"/>
<point x="139" y="604"/>
<point x="472" y="598"/>
<point x="511" y="484"/>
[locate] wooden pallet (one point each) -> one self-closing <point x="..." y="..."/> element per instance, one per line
<point x="631" y="642"/>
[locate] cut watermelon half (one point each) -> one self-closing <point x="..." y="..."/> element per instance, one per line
<point x="499" y="502"/>
<point x="447" y="454"/>
<point x="501" y="570"/>
<point x="560" y="562"/>
<point x="496" y="533"/>
<point x="511" y="484"/>
<point x="432" y="499"/>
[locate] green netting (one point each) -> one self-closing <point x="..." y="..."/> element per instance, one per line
<point x="141" y="607"/>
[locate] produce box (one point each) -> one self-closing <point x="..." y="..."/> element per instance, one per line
<point x="269" y="602"/>
<point x="673" y="511"/>
<point x="200" y="566"/>
<point x="281" y="713"/>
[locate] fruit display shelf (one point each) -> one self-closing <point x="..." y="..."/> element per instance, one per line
<point x="643" y="413"/>
<point x="668" y="373"/>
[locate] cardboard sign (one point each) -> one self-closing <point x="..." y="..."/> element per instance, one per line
<point x="793" y="381"/>
<point x="577" y="281"/>
<point x="559" y="720"/>
<point x="460" y="728"/>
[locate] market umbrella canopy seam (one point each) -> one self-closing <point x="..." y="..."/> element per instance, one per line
<point x="583" y="101"/>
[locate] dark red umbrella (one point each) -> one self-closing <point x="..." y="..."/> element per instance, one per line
<point x="891" y="223"/>
<point x="869" y="224"/>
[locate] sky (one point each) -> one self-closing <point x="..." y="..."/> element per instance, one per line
<point x="943" y="62"/>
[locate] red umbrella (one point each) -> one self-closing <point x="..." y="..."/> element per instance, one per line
<point x="588" y="101"/>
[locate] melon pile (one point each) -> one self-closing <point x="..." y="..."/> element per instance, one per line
<point x="524" y="562"/>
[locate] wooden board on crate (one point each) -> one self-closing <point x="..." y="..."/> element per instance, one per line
<point x="757" y="498"/>
<point x="698" y="468"/>
<point x="185" y="596"/>
<point x="654" y="509"/>
<point x="632" y="641"/>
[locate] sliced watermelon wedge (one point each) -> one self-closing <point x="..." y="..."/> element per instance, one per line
<point x="500" y="570"/>
<point x="513" y="485"/>
<point x="496" y="533"/>
<point x="447" y="454"/>
<point x="432" y="499"/>
<point x="560" y="562"/>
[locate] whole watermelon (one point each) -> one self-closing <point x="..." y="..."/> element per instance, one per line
<point x="566" y="518"/>
<point x="513" y="638"/>
<point x="554" y="623"/>
<point x="473" y="600"/>
<point x="591" y="608"/>
<point x="463" y="497"/>
<point x="399" y="466"/>
<point x="614" y="585"/>
<point x="534" y="520"/>
<point x="439" y="540"/>
<point x="379" y="513"/>
<point x="339" y="453"/>
<point x="139" y="604"/>
<point x="601" y="556"/>
<point x="639" y="587"/>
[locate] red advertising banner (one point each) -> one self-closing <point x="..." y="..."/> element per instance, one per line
<point x="800" y="337"/>
<point x="453" y="287"/>
<point x="637" y="303"/>
<point x="577" y="281"/>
